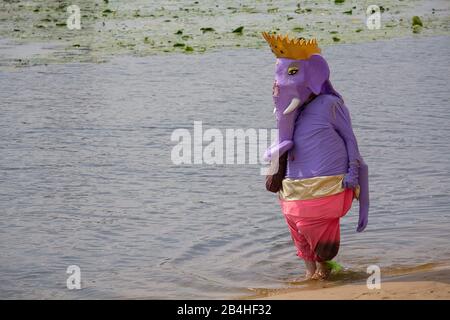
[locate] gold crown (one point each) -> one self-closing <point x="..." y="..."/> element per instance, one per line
<point x="297" y="49"/>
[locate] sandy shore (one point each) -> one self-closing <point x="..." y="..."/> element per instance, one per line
<point x="433" y="284"/>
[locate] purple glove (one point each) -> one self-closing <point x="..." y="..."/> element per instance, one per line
<point x="351" y="179"/>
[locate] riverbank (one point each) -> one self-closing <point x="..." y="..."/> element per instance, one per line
<point x="110" y="28"/>
<point x="429" y="283"/>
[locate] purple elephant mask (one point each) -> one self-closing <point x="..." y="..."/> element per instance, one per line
<point x="313" y="123"/>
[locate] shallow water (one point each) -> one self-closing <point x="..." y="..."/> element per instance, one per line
<point x="86" y="177"/>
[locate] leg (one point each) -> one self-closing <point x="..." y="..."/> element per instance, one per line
<point x="310" y="269"/>
<point x="326" y="249"/>
<point x="323" y="271"/>
<point x="304" y="250"/>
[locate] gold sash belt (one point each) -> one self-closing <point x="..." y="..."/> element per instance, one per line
<point x="311" y="188"/>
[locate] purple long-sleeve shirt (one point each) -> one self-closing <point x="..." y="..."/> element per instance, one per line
<point x="324" y="142"/>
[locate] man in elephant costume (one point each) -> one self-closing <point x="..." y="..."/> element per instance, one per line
<point x="320" y="168"/>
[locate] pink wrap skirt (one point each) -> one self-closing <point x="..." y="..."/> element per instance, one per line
<point x="314" y="224"/>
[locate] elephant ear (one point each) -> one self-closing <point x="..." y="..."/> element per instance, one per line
<point x="317" y="72"/>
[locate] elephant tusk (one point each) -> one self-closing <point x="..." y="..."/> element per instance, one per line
<point x="295" y="103"/>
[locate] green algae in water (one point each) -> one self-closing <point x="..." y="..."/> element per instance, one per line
<point x="416" y="28"/>
<point x="348" y="12"/>
<point x="51" y="26"/>
<point x="416" y="21"/>
<point x="204" y="30"/>
<point x="416" y="24"/>
<point x="298" y="29"/>
<point x="147" y="40"/>
<point x="238" y="30"/>
<point x="189" y="49"/>
<point x="336" y="39"/>
<point x="247" y="9"/>
<point x="179" y="45"/>
<point x="339" y="1"/>
<point x="106" y="12"/>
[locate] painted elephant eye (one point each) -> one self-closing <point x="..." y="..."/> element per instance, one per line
<point x="292" y="70"/>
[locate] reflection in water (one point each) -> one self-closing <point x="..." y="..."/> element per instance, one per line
<point x="86" y="176"/>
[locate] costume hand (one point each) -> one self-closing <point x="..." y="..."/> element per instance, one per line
<point x="278" y="150"/>
<point x="351" y="179"/>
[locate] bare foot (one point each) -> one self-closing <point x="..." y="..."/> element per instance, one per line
<point x="323" y="271"/>
<point x="310" y="269"/>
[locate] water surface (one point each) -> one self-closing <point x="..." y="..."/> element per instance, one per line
<point x="86" y="176"/>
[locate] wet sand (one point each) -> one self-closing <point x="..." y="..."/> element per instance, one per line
<point x="432" y="284"/>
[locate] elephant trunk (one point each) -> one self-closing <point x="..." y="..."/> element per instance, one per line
<point x="286" y="112"/>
